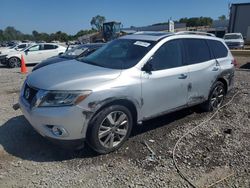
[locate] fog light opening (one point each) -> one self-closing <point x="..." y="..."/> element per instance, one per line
<point x="59" y="131"/>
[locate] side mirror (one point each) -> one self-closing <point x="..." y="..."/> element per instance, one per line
<point x="147" y="67"/>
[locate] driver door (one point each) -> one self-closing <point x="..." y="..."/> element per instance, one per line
<point x="165" y="87"/>
<point x="33" y="54"/>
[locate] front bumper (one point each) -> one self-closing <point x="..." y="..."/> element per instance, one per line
<point x="235" y="45"/>
<point x="71" y="119"/>
<point x="3" y="59"/>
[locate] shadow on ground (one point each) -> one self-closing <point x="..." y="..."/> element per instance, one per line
<point x="246" y="66"/>
<point x="19" y="139"/>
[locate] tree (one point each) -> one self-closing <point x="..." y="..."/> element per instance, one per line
<point x="222" y="17"/>
<point x="10" y="33"/>
<point x="197" y="21"/>
<point x="97" y="22"/>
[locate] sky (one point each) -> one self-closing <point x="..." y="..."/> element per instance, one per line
<point x="70" y="16"/>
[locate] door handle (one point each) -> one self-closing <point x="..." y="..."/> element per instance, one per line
<point x="215" y="69"/>
<point x="183" y="76"/>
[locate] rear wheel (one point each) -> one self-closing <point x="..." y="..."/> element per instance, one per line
<point x="14" y="62"/>
<point x="216" y="97"/>
<point x="109" y="129"/>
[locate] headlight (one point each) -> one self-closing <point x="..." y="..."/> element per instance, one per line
<point x="62" y="98"/>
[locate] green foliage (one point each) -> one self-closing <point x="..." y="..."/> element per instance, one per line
<point x="222" y="17"/>
<point x="97" y="22"/>
<point x="197" y="21"/>
<point x="10" y="33"/>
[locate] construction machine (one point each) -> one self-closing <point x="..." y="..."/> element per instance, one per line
<point x="110" y="31"/>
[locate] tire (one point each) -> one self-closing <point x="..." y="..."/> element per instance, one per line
<point x="14" y="62"/>
<point x="216" y="97"/>
<point x="105" y="133"/>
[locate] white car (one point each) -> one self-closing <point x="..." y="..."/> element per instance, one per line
<point x="14" y="48"/>
<point x="34" y="54"/>
<point x="234" y="40"/>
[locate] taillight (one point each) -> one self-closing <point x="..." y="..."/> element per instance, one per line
<point x="234" y="62"/>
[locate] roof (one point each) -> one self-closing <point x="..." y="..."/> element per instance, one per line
<point x="156" y="36"/>
<point x="147" y="35"/>
<point x="240" y="4"/>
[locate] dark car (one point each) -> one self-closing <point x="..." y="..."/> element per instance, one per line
<point x="76" y="52"/>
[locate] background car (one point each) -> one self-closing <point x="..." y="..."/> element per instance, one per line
<point x="17" y="47"/>
<point x="234" y="40"/>
<point x="79" y="51"/>
<point x="5" y="51"/>
<point x="34" y="54"/>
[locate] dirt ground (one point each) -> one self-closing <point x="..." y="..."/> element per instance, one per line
<point x="218" y="149"/>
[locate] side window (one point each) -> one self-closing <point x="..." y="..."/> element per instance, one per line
<point x="48" y="47"/>
<point x="218" y="49"/>
<point x="169" y="55"/>
<point x="34" y="48"/>
<point x="197" y="51"/>
<point x="21" y="46"/>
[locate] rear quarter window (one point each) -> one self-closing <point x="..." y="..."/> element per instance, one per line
<point x="196" y="51"/>
<point x="218" y="48"/>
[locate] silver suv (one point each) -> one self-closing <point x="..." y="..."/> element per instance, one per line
<point x="99" y="98"/>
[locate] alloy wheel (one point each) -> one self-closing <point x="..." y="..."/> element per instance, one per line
<point x="14" y="62"/>
<point x="113" y="129"/>
<point x="217" y="97"/>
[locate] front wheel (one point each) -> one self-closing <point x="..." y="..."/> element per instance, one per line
<point x="216" y="97"/>
<point x="109" y="129"/>
<point x="14" y="62"/>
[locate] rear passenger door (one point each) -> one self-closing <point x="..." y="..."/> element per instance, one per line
<point x="165" y="87"/>
<point x="49" y="50"/>
<point x="202" y="67"/>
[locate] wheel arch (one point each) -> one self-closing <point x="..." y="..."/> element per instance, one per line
<point x="120" y="101"/>
<point x="224" y="81"/>
<point x="15" y="56"/>
<point x="8" y="59"/>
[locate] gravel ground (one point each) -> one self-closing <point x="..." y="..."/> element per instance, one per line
<point x="218" y="149"/>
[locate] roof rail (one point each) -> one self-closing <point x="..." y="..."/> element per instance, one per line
<point x="195" y="33"/>
<point x="151" y="32"/>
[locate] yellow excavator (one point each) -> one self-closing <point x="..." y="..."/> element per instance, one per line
<point x="110" y="31"/>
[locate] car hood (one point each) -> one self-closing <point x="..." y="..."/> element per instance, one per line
<point x="7" y="51"/>
<point x="50" y="61"/>
<point x="14" y="53"/>
<point x="71" y="75"/>
<point x="233" y="40"/>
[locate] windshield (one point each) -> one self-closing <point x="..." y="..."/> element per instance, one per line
<point x="12" y="46"/>
<point x="27" y="47"/>
<point x="74" y="52"/>
<point x="119" y="54"/>
<point x="232" y="37"/>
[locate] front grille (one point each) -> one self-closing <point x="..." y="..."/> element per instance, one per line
<point x="233" y="43"/>
<point x="29" y="93"/>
